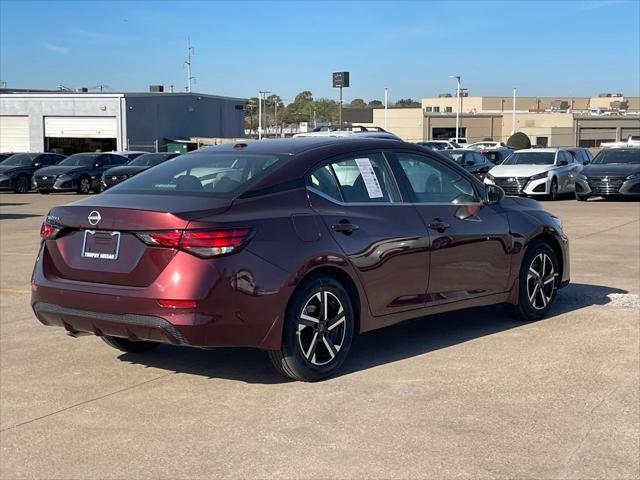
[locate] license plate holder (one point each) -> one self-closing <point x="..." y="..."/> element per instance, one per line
<point x="101" y="245"/>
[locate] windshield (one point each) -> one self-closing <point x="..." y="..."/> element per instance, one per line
<point x="18" y="159"/>
<point x="149" y="159"/>
<point x="79" y="160"/>
<point x="530" y="158"/>
<point x="222" y="175"/>
<point x="457" y="157"/>
<point x="618" y="156"/>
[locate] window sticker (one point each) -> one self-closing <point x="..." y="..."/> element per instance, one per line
<point x="369" y="177"/>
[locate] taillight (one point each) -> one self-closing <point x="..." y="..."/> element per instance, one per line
<point x="213" y="243"/>
<point x="169" y="238"/>
<point x="49" y="232"/>
<point x="202" y="243"/>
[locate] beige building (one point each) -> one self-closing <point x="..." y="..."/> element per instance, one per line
<point x="548" y="121"/>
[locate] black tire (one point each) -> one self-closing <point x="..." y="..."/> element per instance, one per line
<point x="581" y="198"/>
<point x="320" y="360"/>
<point x="553" y="191"/>
<point x="44" y="192"/>
<point x="125" y="345"/>
<point x="23" y="184"/>
<point x="526" y="309"/>
<point x="84" y="186"/>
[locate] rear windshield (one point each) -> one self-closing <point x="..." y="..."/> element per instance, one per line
<point x="18" y="159"/>
<point x="222" y="175"/>
<point x="80" y="160"/>
<point x="150" y="159"/>
<point x="614" y="155"/>
<point x="530" y="158"/>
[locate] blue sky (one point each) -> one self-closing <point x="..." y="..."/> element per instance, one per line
<point x="576" y="48"/>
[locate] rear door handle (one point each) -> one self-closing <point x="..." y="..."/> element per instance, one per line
<point x="438" y="225"/>
<point x="344" y="227"/>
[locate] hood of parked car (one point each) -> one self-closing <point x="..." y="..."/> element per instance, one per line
<point x="6" y="169"/>
<point x="519" y="170"/>
<point x="55" y="170"/>
<point x="612" y="169"/>
<point x="124" y="170"/>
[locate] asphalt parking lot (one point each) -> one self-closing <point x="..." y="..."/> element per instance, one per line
<point x="474" y="394"/>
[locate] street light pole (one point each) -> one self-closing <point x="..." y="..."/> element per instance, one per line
<point x="457" y="77"/>
<point x="386" y="98"/>
<point x="262" y="94"/>
<point x="513" y="113"/>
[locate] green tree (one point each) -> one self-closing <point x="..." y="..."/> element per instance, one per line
<point x="326" y="110"/>
<point x="406" y="103"/>
<point x="519" y="140"/>
<point x="375" y="104"/>
<point x="358" y="103"/>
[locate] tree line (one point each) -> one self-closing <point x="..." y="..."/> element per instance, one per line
<point x="306" y="108"/>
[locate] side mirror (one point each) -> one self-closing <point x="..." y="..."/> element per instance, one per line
<point x="469" y="163"/>
<point x="493" y="194"/>
<point x="586" y="162"/>
<point x="37" y="165"/>
<point x="562" y="163"/>
<point x="97" y="165"/>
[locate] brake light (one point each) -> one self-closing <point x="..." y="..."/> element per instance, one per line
<point x="202" y="243"/>
<point x="49" y="232"/>
<point x="213" y="243"/>
<point x="177" y="303"/>
<point x="169" y="238"/>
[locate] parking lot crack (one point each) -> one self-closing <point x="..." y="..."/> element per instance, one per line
<point x="607" y="229"/>
<point x="85" y="402"/>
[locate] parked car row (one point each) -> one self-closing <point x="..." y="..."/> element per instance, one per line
<point x="82" y="172"/>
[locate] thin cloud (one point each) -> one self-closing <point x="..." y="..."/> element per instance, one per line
<point x="56" y="48"/>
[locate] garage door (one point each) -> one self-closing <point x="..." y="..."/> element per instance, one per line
<point x="14" y="134"/>
<point x="80" y="127"/>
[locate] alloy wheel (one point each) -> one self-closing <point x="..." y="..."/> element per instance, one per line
<point x="23" y="185"/>
<point x="321" y="328"/>
<point x="540" y="281"/>
<point x="85" y="186"/>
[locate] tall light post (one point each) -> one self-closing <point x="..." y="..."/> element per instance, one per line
<point x="513" y="113"/>
<point x="457" y="77"/>
<point x="261" y="94"/>
<point x="386" y="104"/>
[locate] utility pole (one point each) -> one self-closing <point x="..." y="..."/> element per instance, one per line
<point x="386" y="98"/>
<point x="513" y="113"/>
<point x="457" y="78"/>
<point x="188" y="64"/>
<point x="275" y="117"/>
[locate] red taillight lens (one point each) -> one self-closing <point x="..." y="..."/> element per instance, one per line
<point x="203" y="243"/>
<point x="49" y="232"/>
<point x="213" y="243"/>
<point x="169" y="238"/>
<point x="177" y="303"/>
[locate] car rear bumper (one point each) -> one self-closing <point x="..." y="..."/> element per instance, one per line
<point x="132" y="326"/>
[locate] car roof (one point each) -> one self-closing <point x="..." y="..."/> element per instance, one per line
<point x="540" y="150"/>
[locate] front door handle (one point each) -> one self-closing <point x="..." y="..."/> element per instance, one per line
<point x="438" y="225"/>
<point x="344" y="227"/>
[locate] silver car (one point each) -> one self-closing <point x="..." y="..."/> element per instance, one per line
<point x="537" y="172"/>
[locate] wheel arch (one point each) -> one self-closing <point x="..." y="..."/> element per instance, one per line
<point x="345" y="280"/>
<point x="554" y="243"/>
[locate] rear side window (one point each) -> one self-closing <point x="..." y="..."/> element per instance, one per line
<point x="222" y="175"/>
<point x="363" y="178"/>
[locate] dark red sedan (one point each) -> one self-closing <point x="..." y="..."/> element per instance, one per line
<point x="292" y="246"/>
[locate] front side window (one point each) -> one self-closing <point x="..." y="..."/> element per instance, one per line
<point x="363" y="178"/>
<point x="433" y="182"/>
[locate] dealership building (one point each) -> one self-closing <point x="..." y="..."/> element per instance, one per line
<point x="71" y="122"/>
<point x="548" y="121"/>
